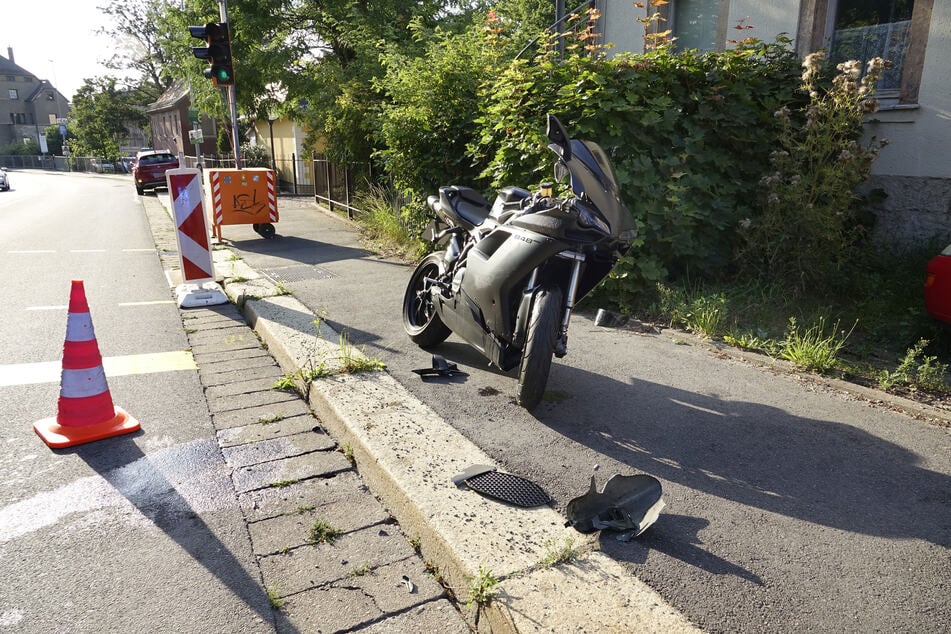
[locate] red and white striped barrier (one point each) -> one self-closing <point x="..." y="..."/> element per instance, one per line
<point x="214" y="178"/>
<point x="184" y="187"/>
<point x="271" y="196"/>
<point x="194" y="250"/>
<point x="85" y="410"/>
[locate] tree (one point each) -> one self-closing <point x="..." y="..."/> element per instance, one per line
<point x="54" y="140"/>
<point x="138" y="28"/>
<point x="100" y="115"/>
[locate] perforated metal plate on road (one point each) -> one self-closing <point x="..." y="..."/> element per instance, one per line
<point x="506" y="487"/>
<point x="298" y="273"/>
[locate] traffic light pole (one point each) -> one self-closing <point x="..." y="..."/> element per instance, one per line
<point x="232" y="97"/>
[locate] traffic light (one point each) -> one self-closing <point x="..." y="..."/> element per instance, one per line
<point x="217" y="53"/>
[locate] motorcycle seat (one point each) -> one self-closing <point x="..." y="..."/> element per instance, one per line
<point x="464" y="205"/>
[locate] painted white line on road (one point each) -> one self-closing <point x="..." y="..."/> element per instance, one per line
<point x="154" y="302"/>
<point x="49" y="371"/>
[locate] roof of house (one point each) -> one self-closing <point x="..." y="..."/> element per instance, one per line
<point x="10" y="68"/>
<point x="170" y="98"/>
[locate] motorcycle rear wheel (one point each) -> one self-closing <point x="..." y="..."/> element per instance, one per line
<point x="540" y="340"/>
<point x="420" y="320"/>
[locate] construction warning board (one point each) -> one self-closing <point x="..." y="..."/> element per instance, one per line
<point x="243" y="196"/>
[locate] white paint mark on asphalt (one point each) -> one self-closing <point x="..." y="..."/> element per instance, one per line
<point x="698" y="408"/>
<point x="50" y="371"/>
<point x="190" y="477"/>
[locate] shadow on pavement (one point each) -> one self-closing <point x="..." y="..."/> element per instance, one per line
<point x="820" y="471"/>
<point x="133" y="474"/>
<point x="303" y="250"/>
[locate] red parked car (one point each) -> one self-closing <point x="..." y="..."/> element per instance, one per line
<point x="149" y="169"/>
<point x="938" y="286"/>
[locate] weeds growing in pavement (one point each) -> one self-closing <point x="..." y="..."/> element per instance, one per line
<point x="355" y="361"/>
<point x="556" y="554"/>
<point x="482" y="587"/>
<point x="918" y="371"/>
<point x="323" y="533"/>
<point x="274" y="596"/>
<point x="813" y="349"/>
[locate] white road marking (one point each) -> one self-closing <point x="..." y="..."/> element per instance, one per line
<point x="50" y="371"/>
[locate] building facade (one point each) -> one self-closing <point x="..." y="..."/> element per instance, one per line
<point x="170" y="123"/>
<point x="28" y="105"/>
<point x="914" y="170"/>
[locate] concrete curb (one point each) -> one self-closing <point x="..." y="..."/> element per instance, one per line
<point x="408" y="456"/>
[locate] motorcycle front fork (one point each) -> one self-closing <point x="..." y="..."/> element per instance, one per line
<point x="577" y="259"/>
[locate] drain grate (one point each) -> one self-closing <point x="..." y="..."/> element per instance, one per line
<point x="298" y="273"/>
<point x="504" y="487"/>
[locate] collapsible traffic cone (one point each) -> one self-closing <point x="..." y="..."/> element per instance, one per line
<point x="86" y="412"/>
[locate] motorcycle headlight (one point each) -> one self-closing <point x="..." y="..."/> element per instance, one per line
<point x="588" y="219"/>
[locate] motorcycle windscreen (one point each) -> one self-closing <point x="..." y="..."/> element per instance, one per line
<point x="592" y="176"/>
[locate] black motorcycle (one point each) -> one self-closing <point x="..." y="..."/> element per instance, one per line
<point x="509" y="274"/>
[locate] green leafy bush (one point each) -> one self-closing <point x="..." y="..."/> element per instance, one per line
<point x="688" y="134"/>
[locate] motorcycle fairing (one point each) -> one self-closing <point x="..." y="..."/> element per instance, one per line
<point x="499" y="266"/>
<point x="593" y="178"/>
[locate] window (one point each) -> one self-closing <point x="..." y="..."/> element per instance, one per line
<point x="864" y="29"/>
<point x="13" y="94"/>
<point x="896" y="30"/>
<point x="695" y="23"/>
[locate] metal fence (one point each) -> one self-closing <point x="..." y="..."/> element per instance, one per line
<point x="92" y="164"/>
<point x="335" y="184"/>
<point x="294" y="175"/>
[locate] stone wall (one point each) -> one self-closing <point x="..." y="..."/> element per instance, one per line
<point x="916" y="210"/>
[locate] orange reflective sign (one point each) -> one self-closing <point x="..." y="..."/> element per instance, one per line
<point x="243" y="197"/>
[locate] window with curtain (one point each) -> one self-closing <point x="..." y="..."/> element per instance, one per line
<point x="864" y="29"/>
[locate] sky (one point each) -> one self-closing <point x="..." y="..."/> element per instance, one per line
<point x="56" y="39"/>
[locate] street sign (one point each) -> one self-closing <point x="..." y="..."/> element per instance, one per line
<point x="195" y="136"/>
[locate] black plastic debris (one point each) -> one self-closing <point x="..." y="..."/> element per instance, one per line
<point x="441" y="367"/>
<point x="504" y="487"/>
<point x="627" y="503"/>
<point x="608" y="319"/>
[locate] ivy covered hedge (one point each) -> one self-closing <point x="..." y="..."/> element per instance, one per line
<point x="689" y="134"/>
<point x="694" y="138"/>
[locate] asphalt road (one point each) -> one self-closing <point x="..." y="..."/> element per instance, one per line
<point x="790" y="506"/>
<point x="106" y="536"/>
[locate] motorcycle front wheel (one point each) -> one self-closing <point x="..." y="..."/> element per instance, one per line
<point x="540" y="339"/>
<point x="420" y="320"/>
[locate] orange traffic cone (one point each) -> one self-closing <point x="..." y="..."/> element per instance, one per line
<point x="86" y="412"/>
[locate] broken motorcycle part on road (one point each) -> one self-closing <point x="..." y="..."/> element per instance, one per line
<point x="441" y="367"/>
<point x="627" y="503"/>
<point x="504" y="487"/>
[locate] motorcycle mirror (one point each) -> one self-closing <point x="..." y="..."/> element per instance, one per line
<point x="559" y="137"/>
<point x="561" y="172"/>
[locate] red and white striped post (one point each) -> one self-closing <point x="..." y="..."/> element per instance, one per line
<point x="194" y="251"/>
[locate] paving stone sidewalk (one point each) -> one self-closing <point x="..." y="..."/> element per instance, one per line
<point x="292" y="479"/>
